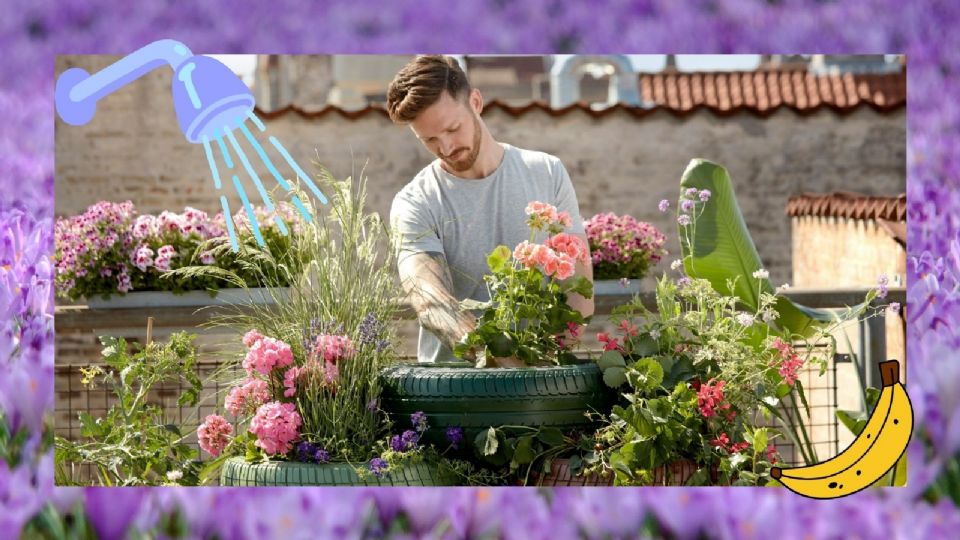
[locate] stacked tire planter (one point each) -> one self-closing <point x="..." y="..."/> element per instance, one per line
<point x="456" y="395"/>
<point x="237" y="472"/>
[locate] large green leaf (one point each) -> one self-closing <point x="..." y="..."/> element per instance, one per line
<point x="722" y="249"/>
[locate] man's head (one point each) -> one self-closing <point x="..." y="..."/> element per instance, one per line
<point x="433" y="96"/>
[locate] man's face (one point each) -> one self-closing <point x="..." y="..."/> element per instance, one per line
<point x="450" y="129"/>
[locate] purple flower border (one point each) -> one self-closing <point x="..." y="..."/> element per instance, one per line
<point x="35" y="34"/>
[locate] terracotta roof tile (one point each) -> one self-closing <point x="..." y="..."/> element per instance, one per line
<point x="764" y="91"/>
<point x="758" y="92"/>
<point x="849" y="205"/>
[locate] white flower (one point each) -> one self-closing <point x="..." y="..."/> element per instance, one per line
<point x="174" y="475"/>
<point x="783" y="287"/>
<point x="655" y="334"/>
<point x="746" y="319"/>
<point x="761" y="274"/>
<point x="770" y="315"/>
<point x="676" y="265"/>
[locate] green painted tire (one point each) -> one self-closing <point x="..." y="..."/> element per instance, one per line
<point x="237" y="472"/>
<point x="474" y="399"/>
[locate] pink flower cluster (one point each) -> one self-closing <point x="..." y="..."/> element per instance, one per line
<point x="710" y="400"/>
<point x="214" y="434"/>
<point x="545" y="216"/>
<point x="276" y="426"/>
<point x="332" y="347"/>
<point x="789" y="361"/>
<point x="248" y="396"/>
<point x="621" y="246"/>
<point x="103" y="249"/>
<point x="265" y="354"/>
<point x="723" y="441"/>
<point x="323" y="374"/>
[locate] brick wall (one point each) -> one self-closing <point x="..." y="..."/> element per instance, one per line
<point x="133" y="149"/>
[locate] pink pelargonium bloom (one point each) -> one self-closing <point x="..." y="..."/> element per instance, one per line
<point x="290" y="381"/>
<point x="569" y="245"/>
<point x="266" y="354"/>
<point x="524" y="254"/>
<point x="248" y="396"/>
<point x="565" y="267"/>
<point x="333" y="348"/>
<point x="251" y="337"/>
<point x="214" y="434"/>
<point x="276" y="425"/>
<point x="542" y="210"/>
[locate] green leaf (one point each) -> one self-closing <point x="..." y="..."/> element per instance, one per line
<point x="502" y="345"/>
<point x="470" y="304"/>
<point x="581" y="286"/>
<point x="610" y="359"/>
<point x="172" y="428"/>
<point x="550" y="436"/>
<point x="523" y="453"/>
<point x="644" y="345"/>
<point x="615" y="376"/>
<point x="854" y="421"/>
<point x="646" y="375"/>
<point x="873" y="396"/>
<point x="783" y="390"/>
<point x="760" y="441"/>
<point x="498" y="258"/>
<point x="722" y="249"/>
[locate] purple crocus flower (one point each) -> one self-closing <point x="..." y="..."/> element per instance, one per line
<point x="455" y="436"/>
<point x="378" y="466"/>
<point x="419" y="421"/>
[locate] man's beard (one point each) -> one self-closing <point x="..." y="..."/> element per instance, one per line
<point x="472" y="153"/>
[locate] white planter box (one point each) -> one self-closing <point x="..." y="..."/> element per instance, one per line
<point x="224" y="297"/>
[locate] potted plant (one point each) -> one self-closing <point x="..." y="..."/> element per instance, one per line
<point x="112" y="257"/>
<point x="306" y="410"/>
<point x="528" y="320"/>
<point x="623" y="250"/>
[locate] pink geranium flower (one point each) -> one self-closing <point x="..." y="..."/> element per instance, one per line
<point x="276" y="426"/>
<point x="266" y="354"/>
<point x="214" y="434"/>
<point x="248" y="396"/>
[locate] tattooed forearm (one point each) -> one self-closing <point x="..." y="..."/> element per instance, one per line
<point x="429" y="288"/>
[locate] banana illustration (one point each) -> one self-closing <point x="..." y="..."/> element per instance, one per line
<point x="877" y="449"/>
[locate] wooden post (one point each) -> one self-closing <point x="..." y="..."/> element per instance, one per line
<point x="149" y="330"/>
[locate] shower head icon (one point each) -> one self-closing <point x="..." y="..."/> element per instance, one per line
<point x="211" y="103"/>
<point x="207" y="96"/>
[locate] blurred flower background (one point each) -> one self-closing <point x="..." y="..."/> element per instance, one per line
<point x="31" y="35"/>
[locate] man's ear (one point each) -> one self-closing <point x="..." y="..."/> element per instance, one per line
<point x="476" y="101"/>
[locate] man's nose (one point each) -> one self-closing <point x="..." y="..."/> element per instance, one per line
<point x="445" y="145"/>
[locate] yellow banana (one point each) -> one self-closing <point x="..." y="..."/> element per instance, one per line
<point x="877" y="448"/>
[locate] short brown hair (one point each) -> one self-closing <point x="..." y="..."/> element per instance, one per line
<point x="421" y="83"/>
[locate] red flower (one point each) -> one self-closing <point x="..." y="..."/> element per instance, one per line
<point x="721" y="442"/>
<point x="609" y="343"/>
<point x="629" y="330"/>
<point x="771" y="454"/>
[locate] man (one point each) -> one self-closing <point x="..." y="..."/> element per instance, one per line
<point x="465" y="203"/>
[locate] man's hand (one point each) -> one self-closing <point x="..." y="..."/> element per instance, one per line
<point x="426" y="280"/>
<point x="584" y="305"/>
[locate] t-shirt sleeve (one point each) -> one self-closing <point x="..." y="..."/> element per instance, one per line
<point x="567" y="197"/>
<point x="411" y="219"/>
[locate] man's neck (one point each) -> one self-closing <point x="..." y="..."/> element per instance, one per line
<point x="491" y="155"/>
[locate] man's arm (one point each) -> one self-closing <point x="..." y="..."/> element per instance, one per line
<point x="584" y="305"/>
<point x="428" y="285"/>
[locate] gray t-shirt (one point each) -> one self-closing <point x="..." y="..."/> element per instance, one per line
<point x="466" y="219"/>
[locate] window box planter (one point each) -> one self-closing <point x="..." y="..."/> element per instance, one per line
<point x="223" y="297"/>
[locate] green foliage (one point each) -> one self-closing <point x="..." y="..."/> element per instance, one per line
<point x="526" y="314"/>
<point x="341" y="270"/>
<point x="134" y="443"/>
<point x="520" y="451"/>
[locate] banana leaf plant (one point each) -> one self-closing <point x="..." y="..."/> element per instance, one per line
<point x="721" y="250"/>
